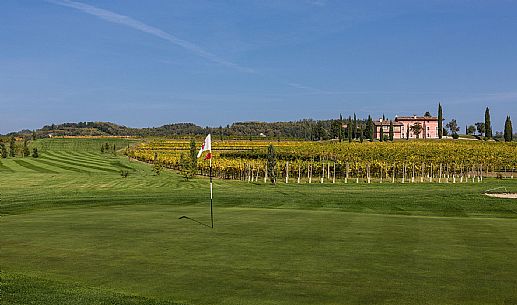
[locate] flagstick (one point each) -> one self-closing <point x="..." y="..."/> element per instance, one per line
<point x="211" y="210"/>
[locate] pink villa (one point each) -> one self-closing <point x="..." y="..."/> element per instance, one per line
<point x="402" y="124"/>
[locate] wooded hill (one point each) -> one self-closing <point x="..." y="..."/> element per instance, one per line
<point x="303" y="129"/>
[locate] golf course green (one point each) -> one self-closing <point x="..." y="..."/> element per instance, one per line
<point x="73" y="230"/>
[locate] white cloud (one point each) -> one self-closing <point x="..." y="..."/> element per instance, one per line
<point x="142" y="27"/>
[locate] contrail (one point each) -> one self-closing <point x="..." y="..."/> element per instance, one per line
<point x="142" y="27"/>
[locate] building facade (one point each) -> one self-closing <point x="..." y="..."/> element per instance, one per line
<point x="428" y="126"/>
<point x="404" y="127"/>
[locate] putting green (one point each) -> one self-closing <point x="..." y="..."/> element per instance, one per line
<point x="77" y="235"/>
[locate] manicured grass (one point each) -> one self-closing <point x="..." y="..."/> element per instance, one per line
<point x="98" y="238"/>
<point x="33" y="167"/>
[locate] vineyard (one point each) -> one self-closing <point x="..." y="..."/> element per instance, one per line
<point x="319" y="162"/>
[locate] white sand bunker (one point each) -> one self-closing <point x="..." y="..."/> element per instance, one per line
<point x="503" y="195"/>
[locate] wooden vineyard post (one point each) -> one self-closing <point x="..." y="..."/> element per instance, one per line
<point x="393" y="174"/>
<point x="287" y="172"/>
<point x="368" y="173"/>
<point x="380" y="181"/>
<point x="322" y="172"/>
<point x="347" y="170"/>
<point x="423" y="173"/>
<point x="334" y="174"/>
<point x="413" y="174"/>
<point x="403" y="173"/>
<point x="481" y="173"/>
<point x="440" y="177"/>
<point x="454" y="173"/>
<point x="299" y="172"/>
<point x="265" y="174"/>
<point x="309" y="168"/>
<point x="328" y="171"/>
<point x="431" y="174"/>
<point x="386" y="170"/>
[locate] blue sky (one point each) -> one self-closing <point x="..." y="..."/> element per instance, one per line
<point x="148" y="63"/>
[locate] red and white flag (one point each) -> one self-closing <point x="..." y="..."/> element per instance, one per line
<point x="207" y="146"/>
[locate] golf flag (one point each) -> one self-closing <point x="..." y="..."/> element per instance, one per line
<point x="207" y="146"/>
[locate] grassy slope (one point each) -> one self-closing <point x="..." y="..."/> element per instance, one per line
<point x="93" y="237"/>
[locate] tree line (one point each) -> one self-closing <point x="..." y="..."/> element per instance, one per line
<point x="351" y="128"/>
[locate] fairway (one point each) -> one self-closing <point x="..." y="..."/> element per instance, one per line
<point x="73" y="231"/>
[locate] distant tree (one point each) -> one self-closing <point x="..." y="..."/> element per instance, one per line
<point x="193" y="158"/>
<point x="184" y="166"/>
<point x="102" y="148"/>
<point x="26" y="151"/>
<point x="407" y="131"/>
<point x="427" y="114"/>
<point x="114" y="148"/>
<point x="350" y="128"/>
<point x="471" y="130"/>
<point x="369" y="128"/>
<point x="453" y="127"/>
<point x="392" y="133"/>
<point x="340" y="133"/>
<point x="381" y="137"/>
<point x="221" y="133"/>
<point x="157" y="165"/>
<point x="33" y="135"/>
<point x="508" y="130"/>
<point x="107" y="147"/>
<point x="335" y="129"/>
<point x="35" y="153"/>
<point x="440" y="121"/>
<point x="12" y="147"/>
<point x="480" y="127"/>
<point x="361" y="134"/>
<point x="445" y="132"/>
<point x="3" y="150"/>
<point x="354" y="128"/>
<point x="416" y="129"/>
<point x="488" y="125"/>
<point x="271" y="163"/>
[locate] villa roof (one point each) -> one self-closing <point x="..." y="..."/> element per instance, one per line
<point x="386" y="123"/>
<point x="416" y="118"/>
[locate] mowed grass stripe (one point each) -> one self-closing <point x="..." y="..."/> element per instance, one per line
<point x="106" y="161"/>
<point x="92" y="161"/>
<point x="98" y="163"/>
<point x="4" y="168"/>
<point x="74" y="163"/>
<point x="62" y="166"/>
<point x="34" y="167"/>
<point x="85" y="155"/>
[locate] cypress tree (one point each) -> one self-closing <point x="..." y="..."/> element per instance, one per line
<point x="369" y="128"/>
<point x="508" y="130"/>
<point x="340" y="128"/>
<point x="271" y="163"/>
<point x="4" y="150"/>
<point x="488" y="125"/>
<point x="391" y="131"/>
<point x="354" y="128"/>
<point x="381" y="136"/>
<point x="12" y="147"/>
<point x="193" y="158"/>
<point x="361" y="134"/>
<point x="26" y="151"/>
<point x="350" y="127"/>
<point x="440" y="121"/>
